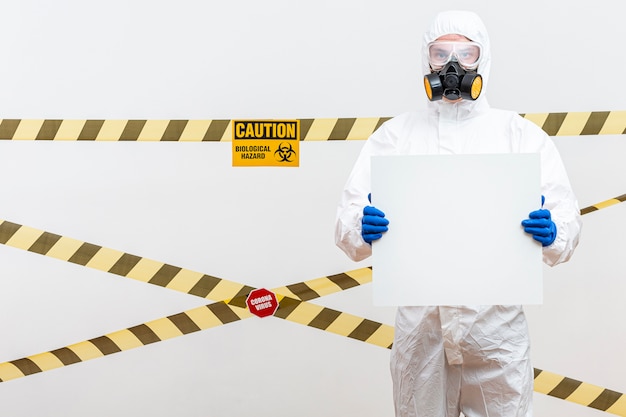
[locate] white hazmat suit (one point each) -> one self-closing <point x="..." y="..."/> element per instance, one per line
<point x="471" y="359"/>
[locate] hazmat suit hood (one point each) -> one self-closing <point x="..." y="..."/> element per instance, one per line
<point x="471" y="26"/>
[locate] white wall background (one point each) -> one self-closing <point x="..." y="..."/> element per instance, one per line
<point x="182" y="203"/>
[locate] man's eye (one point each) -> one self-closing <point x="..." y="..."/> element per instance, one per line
<point x="439" y="54"/>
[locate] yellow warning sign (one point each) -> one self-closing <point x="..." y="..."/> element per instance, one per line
<point x="273" y="143"/>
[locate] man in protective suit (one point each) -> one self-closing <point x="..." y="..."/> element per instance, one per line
<point x="451" y="359"/>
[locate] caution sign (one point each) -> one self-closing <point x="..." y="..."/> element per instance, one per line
<point x="266" y="143"/>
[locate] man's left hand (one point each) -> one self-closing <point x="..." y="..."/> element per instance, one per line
<point x="540" y="225"/>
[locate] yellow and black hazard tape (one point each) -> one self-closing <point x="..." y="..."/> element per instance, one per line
<point x="580" y="123"/>
<point x="165" y="275"/>
<point x="214" y="315"/>
<point x="220" y="313"/>
<point x="202" y="285"/>
<point x="119" y="263"/>
<point x="190" y="321"/>
<point x="579" y="392"/>
<point x="293" y="306"/>
<point x="604" y="204"/>
<point x="320" y="129"/>
<point x="160" y="273"/>
<point x="293" y="309"/>
<point x="173" y="130"/>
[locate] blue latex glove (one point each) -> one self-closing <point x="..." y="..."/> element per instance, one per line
<point x="540" y="225"/>
<point x="373" y="223"/>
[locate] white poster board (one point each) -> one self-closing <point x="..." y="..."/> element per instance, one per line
<point x="455" y="236"/>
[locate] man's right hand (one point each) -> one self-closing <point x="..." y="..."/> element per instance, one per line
<point x="374" y="224"/>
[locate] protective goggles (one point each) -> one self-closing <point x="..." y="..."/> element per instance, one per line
<point x="442" y="52"/>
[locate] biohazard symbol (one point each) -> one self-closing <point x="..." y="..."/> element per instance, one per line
<point x="285" y="152"/>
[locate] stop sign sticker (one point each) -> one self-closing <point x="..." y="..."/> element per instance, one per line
<point x="262" y="302"/>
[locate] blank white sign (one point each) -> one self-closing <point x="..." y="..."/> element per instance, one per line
<point x="455" y="236"/>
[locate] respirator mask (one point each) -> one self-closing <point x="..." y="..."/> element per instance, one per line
<point x="453" y="75"/>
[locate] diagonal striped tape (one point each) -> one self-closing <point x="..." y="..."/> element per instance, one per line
<point x="580" y="392"/>
<point x="320" y="287"/>
<point x="202" y="285"/>
<point x="116" y="130"/>
<point x="198" y="284"/>
<point x="325" y="319"/>
<point x="119" y="263"/>
<point x="165" y="328"/>
<point x="580" y="123"/>
<point x="220" y="313"/>
<point x="197" y="319"/>
<point x="322" y="129"/>
<point x="604" y="204"/>
<point x="169" y="276"/>
<point x="173" y="277"/>
<point x="333" y="321"/>
<point x="159" y="273"/>
<point x="292" y="306"/>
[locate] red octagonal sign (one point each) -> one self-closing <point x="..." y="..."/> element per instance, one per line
<point x="262" y="302"/>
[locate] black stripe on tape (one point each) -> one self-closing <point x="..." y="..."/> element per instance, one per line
<point x="105" y="345"/>
<point x="44" y="243"/>
<point x="287" y="306"/>
<point x="216" y="130"/>
<point x="343" y="281"/>
<point x="325" y="318"/>
<point x="184" y="323"/>
<point x="164" y="275"/>
<point x="565" y="388"/>
<point x="204" y="286"/>
<point x="605" y="400"/>
<point x="587" y="210"/>
<point x="553" y="123"/>
<point x="144" y="334"/>
<point x="305" y="126"/>
<point x="595" y="122"/>
<point x="223" y="312"/>
<point x="7" y="230"/>
<point x="302" y="291"/>
<point x="26" y="366"/>
<point x="132" y="130"/>
<point x="174" y="130"/>
<point x="8" y="127"/>
<point x="365" y="330"/>
<point x="84" y="254"/>
<point x="239" y="300"/>
<point x="125" y="264"/>
<point x="66" y="356"/>
<point x="49" y="129"/>
<point x="90" y="130"/>
<point x="341" y="129"/>
<point x="381" y="121"/>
